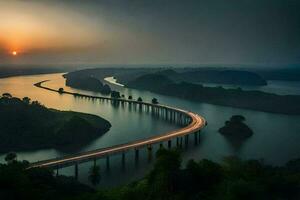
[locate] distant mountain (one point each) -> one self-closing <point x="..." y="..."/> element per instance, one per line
<point x="235" y="77"/>
<point x="150" y="81"/>
<point x="255" y="100"/>
<point x="196" y="75"/>
<point x="289" y="74"/>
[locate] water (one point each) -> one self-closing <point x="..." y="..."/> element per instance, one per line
<point x="275" y="140"/>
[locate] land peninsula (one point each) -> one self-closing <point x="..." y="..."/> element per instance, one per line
<point x="238" y="98"/>
<point x="28" y="125"/>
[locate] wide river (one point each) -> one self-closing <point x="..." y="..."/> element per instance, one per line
<point x="276" y="137"/>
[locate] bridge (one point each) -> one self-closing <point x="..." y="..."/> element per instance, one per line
<point x="192" y="124"/>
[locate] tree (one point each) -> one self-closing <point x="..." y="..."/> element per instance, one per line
<point x="237" y="118"/>
<point x="61" y="90"/>
<point x="94" y="175"/>
<point x="115" y="94"/>
<point x="7" y="95"/>
<point x="106" y="89"/>
<point x="10" y="157"/>
<point x="139" y="99"/>
<point x="130" y="97"/>
<point x="154" y="101"/>
<point x="26" y="100"/>
<point x="163" y="179"/>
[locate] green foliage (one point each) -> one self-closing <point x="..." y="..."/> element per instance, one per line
<point x="10" y="157"/>
<point x="61" y="90"/>
<point x="88" y="83"/>
<point x="233" y="179"/>
<point x="115" y="94"/>
<point x="17" y="182"/>
<point x="7" y="95"/>
<point x="140" y="99"/>
<point x="27" y="125"/>
<point x="236" y="128"/>
<point x="154" y="101"/>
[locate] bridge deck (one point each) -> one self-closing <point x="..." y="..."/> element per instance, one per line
<point x="196" y="123"/>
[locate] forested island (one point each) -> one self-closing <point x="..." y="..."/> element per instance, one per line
<point x="235" y="128"/>
<point x="28" y="125"/>
<point x="254" y="100"/>
<point x="87" y="83"/>
<point x="232" y="179"/>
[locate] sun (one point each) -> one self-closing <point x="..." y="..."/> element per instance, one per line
<point x="14" y="53"/>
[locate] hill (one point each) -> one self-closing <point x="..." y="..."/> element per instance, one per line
<point x="87" y="83"/>
<point x="219" y="76"/>
<point x="26" y="125"/>
<point x="255" y="100"/>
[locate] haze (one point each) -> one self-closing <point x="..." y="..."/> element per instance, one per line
<point x="150" y="32"/>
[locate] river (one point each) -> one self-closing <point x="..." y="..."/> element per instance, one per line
<point x="275" y="140"/>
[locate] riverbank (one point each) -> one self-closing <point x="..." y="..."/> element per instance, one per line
<point x="6" y="72"/>
<point x="237" y="98"/>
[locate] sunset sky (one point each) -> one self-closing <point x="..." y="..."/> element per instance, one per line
<point x="153" y="31"/>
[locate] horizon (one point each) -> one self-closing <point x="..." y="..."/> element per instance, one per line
<point x="141" y="32"/>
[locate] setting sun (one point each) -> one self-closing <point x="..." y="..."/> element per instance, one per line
<point x="14" y="53"/>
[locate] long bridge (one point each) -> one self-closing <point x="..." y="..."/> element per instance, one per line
<point x="193" y="123"/>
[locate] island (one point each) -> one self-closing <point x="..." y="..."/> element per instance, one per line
<point x="238" y="98"/>
<point x="236" y="128"/>
<point x="87" y="83"/>
<point x="28" y="125"/>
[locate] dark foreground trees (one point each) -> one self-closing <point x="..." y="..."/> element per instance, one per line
<point x="232" y="179"/>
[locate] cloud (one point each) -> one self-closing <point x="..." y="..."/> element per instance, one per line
<point x="140" y="31"/>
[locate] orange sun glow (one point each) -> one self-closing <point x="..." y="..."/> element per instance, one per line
<point x="14" y="53"/>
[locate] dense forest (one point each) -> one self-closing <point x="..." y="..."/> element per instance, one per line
<point x="27" y="125"/>
<point x="232" y="179"/>
<point x="255" y="100"/>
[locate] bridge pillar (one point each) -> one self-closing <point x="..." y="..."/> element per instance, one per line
<point x="136" y="154"/>
<point x="173" y="116"/>
<point x="181" y="141"/>
<point x="95" y="162"/>
<point x="76" y="171"/>
<point x="57" y="170"/>
<point x="169" y="144"/>
<point x="177" y="142"/>
<point x="149" y="147"/>
<point x="196" y="138"/>
<point x="107" y="163"/>
<point x="123" y="158"/>
<point x="166" y="113"/>
<point x="186" y="140"/>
